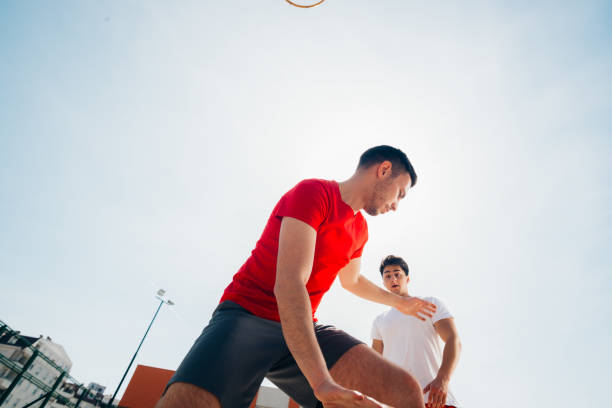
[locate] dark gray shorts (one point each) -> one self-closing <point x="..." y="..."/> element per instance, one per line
<point x="238" y="349"/>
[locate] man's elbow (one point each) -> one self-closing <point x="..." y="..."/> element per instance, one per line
<point x="280" y="289"/>
<point x="350" y="282"/>
<point x="457" y="343"/>
<point x="349" y="285"/>
<point x="453" y="339"/>
<point x="287" y="288"/>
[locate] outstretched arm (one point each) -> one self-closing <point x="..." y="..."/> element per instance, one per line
<point x="438" y="388"/>
<point x="294" y="265"/>
<point x="353" y="281"/>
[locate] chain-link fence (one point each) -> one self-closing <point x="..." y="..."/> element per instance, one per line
<point x="30" y="378"/>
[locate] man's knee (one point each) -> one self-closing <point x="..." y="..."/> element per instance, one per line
<point x="363" y="369"/>
<point x="184" y="395"/>
<point x="410" y="387"/>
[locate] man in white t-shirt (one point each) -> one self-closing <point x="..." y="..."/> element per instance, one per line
<point x="412" y="342"/>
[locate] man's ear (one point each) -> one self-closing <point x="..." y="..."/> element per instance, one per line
<point x="384" y="169"/>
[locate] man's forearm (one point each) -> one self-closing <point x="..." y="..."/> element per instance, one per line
<point x="450" y="357"/>
<point x="365" y="289"/>
<point x="296" y="321"/>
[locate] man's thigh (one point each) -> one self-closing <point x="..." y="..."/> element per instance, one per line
<point x="230" y="358"/>
<point x="363" y="369"/>
<point x="183" y="395"/>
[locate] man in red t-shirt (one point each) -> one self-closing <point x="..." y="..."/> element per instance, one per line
<point x="265" y="323"/>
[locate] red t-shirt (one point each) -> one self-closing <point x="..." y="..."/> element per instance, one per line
<point x="341" y="235"/>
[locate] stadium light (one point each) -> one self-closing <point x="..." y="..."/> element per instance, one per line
<point x="159" y="296"/>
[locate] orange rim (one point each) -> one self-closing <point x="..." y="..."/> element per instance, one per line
<point x="301" y="6"/>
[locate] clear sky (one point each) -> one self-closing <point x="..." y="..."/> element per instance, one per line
<point x="143" y="144"/>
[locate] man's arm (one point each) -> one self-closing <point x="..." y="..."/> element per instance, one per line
<point x="294" y="264"/>
<point x="378" y="345"/>
<point x="438" y="388"/>
<point x="353" y="281"/>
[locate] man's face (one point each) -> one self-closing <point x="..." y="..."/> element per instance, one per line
<point x="394" y="279"/>
<point x="387" y="193"/>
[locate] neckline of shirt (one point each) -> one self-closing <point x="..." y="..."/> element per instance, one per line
<point x="337" y="192"/>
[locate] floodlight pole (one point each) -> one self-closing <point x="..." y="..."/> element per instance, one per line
<point x="161" y="303"/>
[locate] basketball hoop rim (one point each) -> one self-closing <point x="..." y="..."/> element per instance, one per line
<point x="302" y="6"/>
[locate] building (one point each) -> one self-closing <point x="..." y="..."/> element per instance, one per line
<point x="96" y="388"/>
<point x="147" y="385"/>
<point x="44" y="362"/>
<point x="20" y="351"/>
<point x="87" y="397"/>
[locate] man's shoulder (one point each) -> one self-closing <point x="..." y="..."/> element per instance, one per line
<point x="316" y="183"/>
<point x="313" y="188"/>
<point x="430" y="299"/>
<point x="442" y="311"/>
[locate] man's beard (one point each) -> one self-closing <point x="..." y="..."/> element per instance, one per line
<point x="372" y="207"/>
<point x="371" y="210"/>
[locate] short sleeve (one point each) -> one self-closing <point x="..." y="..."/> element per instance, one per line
<point x="375" y="334"/>
<point x="442" y="311"/>
<point x="357" y="253"/>
<point x="307" y="201"/>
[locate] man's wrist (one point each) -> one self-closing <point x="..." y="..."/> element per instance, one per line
<point x="444" y="377"/>
<point x="321" y="379"/>
<point x="395" y="300"/>
<point x="322" y="384"/>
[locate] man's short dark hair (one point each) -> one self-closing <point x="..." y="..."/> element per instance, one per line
<point x="398" y="159"/>
<point x="394" y="261"/>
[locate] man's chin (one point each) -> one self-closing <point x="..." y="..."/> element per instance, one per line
<point x="372" y="211"/>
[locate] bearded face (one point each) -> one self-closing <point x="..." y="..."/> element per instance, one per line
<point x="382" y="194"/>
<point x="386" y="194"/>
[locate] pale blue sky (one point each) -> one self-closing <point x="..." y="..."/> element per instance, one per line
<point x="144" y="143"/>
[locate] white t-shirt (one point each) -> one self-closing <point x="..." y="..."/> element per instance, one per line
<point x="413" y="344"/>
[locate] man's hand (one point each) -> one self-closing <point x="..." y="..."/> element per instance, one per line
<point x="333" y="395"/>
<point x="413" y="306"/>
<point x="438" y="389"/>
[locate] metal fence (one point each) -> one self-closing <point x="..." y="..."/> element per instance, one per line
<point x="63" y="391"/>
